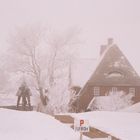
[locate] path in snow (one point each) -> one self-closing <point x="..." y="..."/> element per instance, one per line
<point x="94" y="133"/>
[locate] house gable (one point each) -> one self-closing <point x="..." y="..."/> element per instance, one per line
<point x="113" y="70"/>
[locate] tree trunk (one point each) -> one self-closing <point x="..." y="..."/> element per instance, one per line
<point x="42" y="97"/>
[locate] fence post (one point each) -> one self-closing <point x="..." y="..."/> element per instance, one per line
<point x="109" y="138"/>
<point x="81" y="135"/>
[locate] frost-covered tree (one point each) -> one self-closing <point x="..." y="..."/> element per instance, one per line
<point x="26" y="44"/>
<point x="44" y="56"/>
<point x="63" y="48"/>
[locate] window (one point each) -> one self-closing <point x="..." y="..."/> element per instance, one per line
<point x="96" y="91"/>
<point x="114" y="89"/>
<point x="115" y="74"/>
<point x="132" y="90"/>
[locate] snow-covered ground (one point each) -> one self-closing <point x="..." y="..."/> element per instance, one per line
<point x="7" y="99"/>
<point x="122" y="125"/>
<point x="11" y="99"/>
<point x="17" y="125"/>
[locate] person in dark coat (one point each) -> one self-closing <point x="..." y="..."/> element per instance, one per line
<point x="24" y="93"/>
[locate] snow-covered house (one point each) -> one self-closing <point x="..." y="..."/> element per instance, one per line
<point x="113" y="73"/>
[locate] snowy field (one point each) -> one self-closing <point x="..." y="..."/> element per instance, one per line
<point x="16" y="125"/>
<point x="122" y="125"/>
<point x="11" y="99"/>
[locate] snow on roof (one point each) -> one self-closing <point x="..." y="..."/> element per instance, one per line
<point x="124" y="126"/>
<point x="17" y="125"/>
<point x="103" y="102"/>
<point x="134" y="108"/>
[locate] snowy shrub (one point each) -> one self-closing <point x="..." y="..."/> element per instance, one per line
<point x="121" y="99"/>
<point x="113" y="102"/>
<point x="59" y="97"/>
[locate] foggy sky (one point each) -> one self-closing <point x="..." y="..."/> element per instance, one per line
<point x="98" y="19"/>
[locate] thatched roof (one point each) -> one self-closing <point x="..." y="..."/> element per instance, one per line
<point x="114" y="69"/>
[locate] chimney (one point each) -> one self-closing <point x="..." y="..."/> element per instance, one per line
<point x="110" y="41"/>
<point x="102" y="49"/>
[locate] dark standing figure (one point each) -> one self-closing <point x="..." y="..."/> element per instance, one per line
<point x="24" y="93"/>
